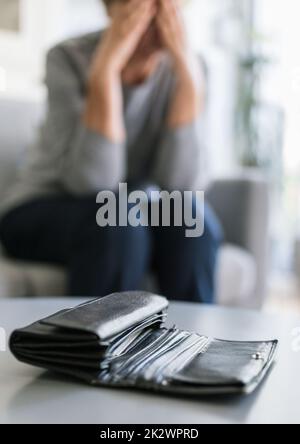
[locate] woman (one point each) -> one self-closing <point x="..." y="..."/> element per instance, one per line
<point x="124" y="105"/>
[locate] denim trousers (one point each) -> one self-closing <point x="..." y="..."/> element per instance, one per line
<point x="62" y="230"/>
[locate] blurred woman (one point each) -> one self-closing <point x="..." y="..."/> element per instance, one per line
<point x="124" y="105"/>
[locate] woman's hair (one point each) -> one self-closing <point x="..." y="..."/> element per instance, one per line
<point x="107" y="2"/>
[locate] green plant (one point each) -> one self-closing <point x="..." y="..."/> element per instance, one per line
<point x="249" y="104"/>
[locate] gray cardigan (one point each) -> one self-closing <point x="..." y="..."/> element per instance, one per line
<point x="69" y="158"/>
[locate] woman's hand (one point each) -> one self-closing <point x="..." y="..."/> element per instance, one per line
<point x="188" y="98"/>
<point x="172" y="31"/>
<point x="130" y="22"/>
<point x="104" y="106"/>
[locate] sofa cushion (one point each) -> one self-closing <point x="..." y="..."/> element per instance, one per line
<point x="236" y="277"/>
<point x="22" y="120"/>
<point x="19" y="279"/>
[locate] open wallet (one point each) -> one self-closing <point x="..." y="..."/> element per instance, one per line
<point x="121" y="341"/>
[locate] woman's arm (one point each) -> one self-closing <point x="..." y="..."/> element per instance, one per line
<point x="181" y="149"/>
<point x="82" y="160"/>
<point x="188" y="100"/>
<point x="85" y="137"/>
<point x="104" y="108"/>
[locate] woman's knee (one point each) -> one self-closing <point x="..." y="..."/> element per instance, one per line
<point x="3" y="230"/>
<point x="7" y="232"/>
<point x="199" y="222"/>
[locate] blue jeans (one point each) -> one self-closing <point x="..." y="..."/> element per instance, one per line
<point x="63" y="231"/>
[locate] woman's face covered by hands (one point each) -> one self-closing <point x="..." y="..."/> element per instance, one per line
<point x="152" y="44"/>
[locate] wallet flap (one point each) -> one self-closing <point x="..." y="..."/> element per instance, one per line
<point x="111" y="315"/>
<point x="229" y="363"/>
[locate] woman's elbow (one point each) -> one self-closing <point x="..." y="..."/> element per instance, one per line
<point x="78" y="183"/>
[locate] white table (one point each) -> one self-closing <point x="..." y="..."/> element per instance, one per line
<point x="29" y="395"/>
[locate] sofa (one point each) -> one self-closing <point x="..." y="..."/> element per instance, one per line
<point x="241" y="202"/>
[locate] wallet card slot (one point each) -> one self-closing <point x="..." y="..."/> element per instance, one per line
<point x="130" y="363"/>
<point x="122" y="343"/>
<point x="179" y="359"/>
<point x="156" y="361"/>
<point x="115" y="368"/>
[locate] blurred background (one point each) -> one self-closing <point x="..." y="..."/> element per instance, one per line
<point x="253" y="124"/>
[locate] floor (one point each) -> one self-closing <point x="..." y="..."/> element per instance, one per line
<point x="284" y="294"/>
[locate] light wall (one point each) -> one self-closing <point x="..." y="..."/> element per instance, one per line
<point x="43" y="23"/>
<point x="281" y="86"/>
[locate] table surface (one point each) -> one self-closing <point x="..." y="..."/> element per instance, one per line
<point x="29" y="395"/>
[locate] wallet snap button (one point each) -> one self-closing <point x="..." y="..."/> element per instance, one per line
<point x="257" y="356"/>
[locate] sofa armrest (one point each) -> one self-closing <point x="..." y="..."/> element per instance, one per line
<point x="242" y="205"/>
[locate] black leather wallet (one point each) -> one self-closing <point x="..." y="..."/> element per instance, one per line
<point x="121" y="341"/>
